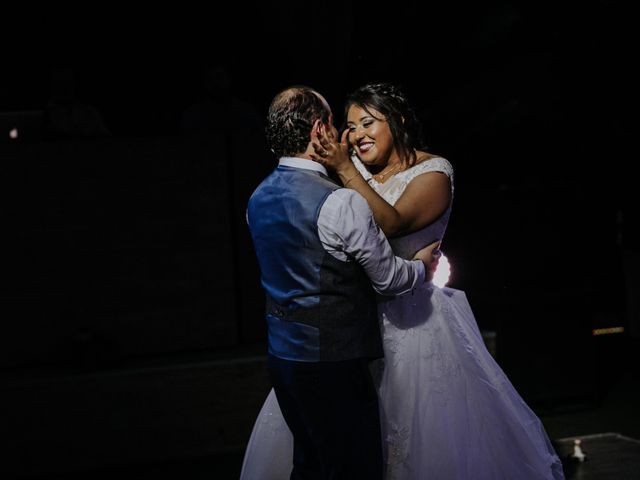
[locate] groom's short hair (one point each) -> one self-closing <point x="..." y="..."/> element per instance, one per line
<point x="291" y="116"/>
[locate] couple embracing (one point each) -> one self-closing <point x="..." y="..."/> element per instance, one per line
<point x="376" y="372"/>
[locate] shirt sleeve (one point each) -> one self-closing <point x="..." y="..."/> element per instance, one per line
<point x="349" y="232"/>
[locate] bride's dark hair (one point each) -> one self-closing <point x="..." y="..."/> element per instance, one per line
<point x="390" y="101"/>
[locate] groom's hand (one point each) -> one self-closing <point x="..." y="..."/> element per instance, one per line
<point x="430" y="255"/>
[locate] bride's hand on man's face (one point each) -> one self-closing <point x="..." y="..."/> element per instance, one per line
<point x="330" y="152"/>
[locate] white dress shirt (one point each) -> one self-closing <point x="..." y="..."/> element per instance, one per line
<point x="349" y="232"/>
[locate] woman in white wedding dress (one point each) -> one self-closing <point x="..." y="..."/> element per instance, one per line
<point x="448" y="411"/>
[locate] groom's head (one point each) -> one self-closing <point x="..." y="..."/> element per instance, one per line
<point x="292" y="115"/>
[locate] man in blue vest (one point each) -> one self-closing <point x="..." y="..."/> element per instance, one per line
<point x="322" y="258"/>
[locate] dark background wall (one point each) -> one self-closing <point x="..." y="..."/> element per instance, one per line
<point x="132" y="307"/>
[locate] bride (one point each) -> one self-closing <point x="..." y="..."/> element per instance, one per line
<point x="447" y="409"/>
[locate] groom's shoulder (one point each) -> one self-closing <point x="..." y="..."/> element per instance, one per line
<point x="349" y="200"/>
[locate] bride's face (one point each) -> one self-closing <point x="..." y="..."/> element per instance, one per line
<point x="370" y="136"/>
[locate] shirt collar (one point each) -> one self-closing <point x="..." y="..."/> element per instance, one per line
<point x="298" y="162"/>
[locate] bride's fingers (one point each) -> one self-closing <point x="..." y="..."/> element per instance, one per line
<point x="321" y="151"/>
<point x="330" y="133"/>
<point x="325" y="141"/>
<point x="318" y="147"/>
<point x="316" y="130"/>
<point x="345" y="136"/>
<point x="316" y="135"/>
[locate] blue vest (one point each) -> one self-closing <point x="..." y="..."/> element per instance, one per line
<point x="318" y="307"/>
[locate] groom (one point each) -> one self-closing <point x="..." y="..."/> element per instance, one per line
<point x="320" y="252"/>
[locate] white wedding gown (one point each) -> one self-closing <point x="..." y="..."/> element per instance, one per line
<point x="448" y="411"/>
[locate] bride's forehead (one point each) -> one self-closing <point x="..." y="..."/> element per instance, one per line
<point x="356" y="113"/>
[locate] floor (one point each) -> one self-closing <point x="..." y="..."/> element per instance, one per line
<point x="615" y="413"/>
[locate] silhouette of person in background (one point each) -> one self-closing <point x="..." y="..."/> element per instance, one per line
<point x="66" y="116"/>
<point x="219" y="110"/>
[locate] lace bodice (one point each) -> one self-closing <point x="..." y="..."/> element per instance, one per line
<point x="391" y="190"/>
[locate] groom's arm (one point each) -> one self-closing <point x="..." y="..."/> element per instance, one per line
<point x="348" y="231"/>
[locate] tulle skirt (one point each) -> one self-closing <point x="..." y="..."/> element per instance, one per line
<point x="447" y="410"/>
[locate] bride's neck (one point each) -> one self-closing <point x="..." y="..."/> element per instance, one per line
<point x="392" y="162"/>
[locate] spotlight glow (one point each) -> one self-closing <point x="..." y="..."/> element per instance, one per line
<point x="442" y="273"/>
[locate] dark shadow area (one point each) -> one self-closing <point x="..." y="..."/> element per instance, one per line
<point x="66" y="115"/>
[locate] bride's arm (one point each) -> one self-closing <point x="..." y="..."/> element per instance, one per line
<point x="423" y="201"/>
